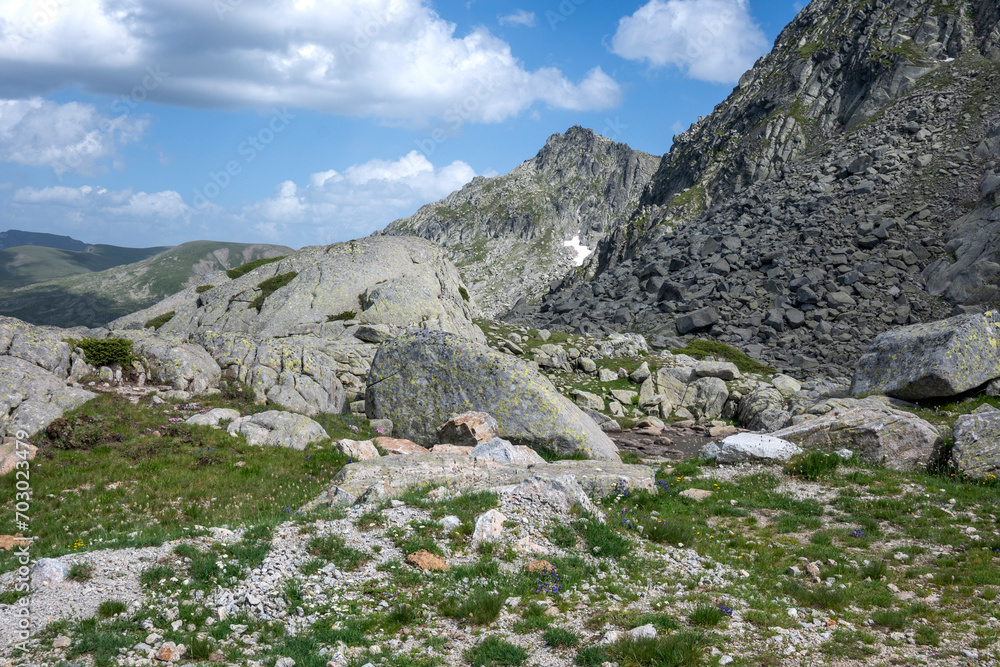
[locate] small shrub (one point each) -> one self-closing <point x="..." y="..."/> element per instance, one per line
<point x="464" y="292"/>
<point x="812" y="465"/>
<point x="270" y="286"/>
<point x="201" y="289"/>
<point x="244" y="269"/>
<point x="105" y="351"/>
<point x="109" y="608"/>
<point x="152" y="577"/>
<point x="707" y="616"/>
<point x="480" y="608"/>
<point x="341" y="317"/>
<point x="560" y="637"/>
<point x="495" y="652"/>
<point x="80" y="572"/>
<point x="159" y="320"/>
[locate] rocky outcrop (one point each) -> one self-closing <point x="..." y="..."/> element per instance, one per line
<point x="171" y="360"/>
<point x="422" y="377"/>
<point x="799" y="219"/>
<point x="35" y="367"/>
<point x="278" y="429"/>
<point x="875" y="433"/>
<point x="977" y="444"/>
<point x="508" y="234"/>
<point x="389" y="476"/>
<point x="333" y="291"/>
<point x="933" y="360"/>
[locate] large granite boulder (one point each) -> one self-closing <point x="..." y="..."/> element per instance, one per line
<point x="31" y="397"/>
<point x="932" y="360"/>
<point x="421" y="378"/>
<point x="333" y="291"/>
<point x="977" y="444"/>
<point x="278" y="429"/>
<point x="874" y="432"/>
<point x="744" y="447"/>
<point x="763" y="409"/>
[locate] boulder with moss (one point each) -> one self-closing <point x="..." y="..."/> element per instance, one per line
<point x="933" y="360"/>
<point x="421" y="378"/>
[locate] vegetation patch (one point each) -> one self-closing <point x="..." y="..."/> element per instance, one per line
<point x="159" y="320"/>
<point x="342" y="317"/>
<point x="270" y="286"/>
<point x="700" y="349"/>
<point x="244" y="269"/>
<point x="105" y="351"/>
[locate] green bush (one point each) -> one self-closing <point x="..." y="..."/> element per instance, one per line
<point x="80" y="572"/>
<point x="701" y="349"/>
<point x="105" y="351"/>
<point x="495" y="652"/>
<point x="340" y="317"/>
<point x="109" y="608"/>
<point x="812" y="465"/>
<point x="464" y="292"/>
<point x="244" y="269"/>
<point x="159" y="320"/>
<point x="270" y="286"/>
<point x="201" y="289"/>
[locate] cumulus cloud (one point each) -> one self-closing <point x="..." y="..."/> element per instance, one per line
<point x="519" y="17"/>
<point x="396" y="60"/>
<point x="333" y="205"/>
<point x="709" y="40"/>
<point x="64" y="137"/>
<point x="357" y="201"/>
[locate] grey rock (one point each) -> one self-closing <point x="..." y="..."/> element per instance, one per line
<point x="706" y="397"/>
<point x="694" y="321"/>
<point x="640" y="374"/>
<point x="744" y="447"/>
<point x="933" y="360"/>
<point x="171" y="360"/>
<point x="357" y="450"/>
<point x="763" y="409"/>
<point x="977" y="444"/>
<point x="213" y="417"/>
<point x="468" y="429"/>
<point x="877" y="434"/>
<point x="454" y="374"/>
<point x="587" y="400"/>
<point x="724" y="370"/>
<point x="279" y="429"/>
<point x="606" y="375"/>
<point x="503" y="451"/>
<point x="49" y="572"/>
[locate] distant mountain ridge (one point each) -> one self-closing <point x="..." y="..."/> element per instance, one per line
<point x="16" y="237"/>
<point x="93" y="298"/>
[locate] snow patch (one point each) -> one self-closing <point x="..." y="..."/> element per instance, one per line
<point x="582" y="251"/>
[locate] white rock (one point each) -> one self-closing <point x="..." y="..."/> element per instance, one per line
<point x="214" y="417"/>
<point x="489" y="527"/>
<point x="48" y="572"/>
<point x="359" y="450"/>
<point x="450" y="522"/>
<point x="643" y="632"/>
<point x="755" y="447"/>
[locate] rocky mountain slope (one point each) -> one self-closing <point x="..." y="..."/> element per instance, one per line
<point x="844" y="187"/>
<point x="27" y="264"/>
<point x="94" y="298"/>
<point x="12" y="238"/>
<point x="508" y="234"/>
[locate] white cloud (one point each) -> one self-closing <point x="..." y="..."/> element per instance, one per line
<point x="331" y="206"/>
<point x="709" y="40"/>
<point x="395" y="60"/>
<point x="519" y="17"/>
<point x="355" y="202"/>
<point x="64" y="137"/>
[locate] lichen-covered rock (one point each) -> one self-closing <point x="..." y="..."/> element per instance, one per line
<point x="213" y="417"/>
<point x="39" y="346"/>
<point x="358" y="450"/>
<point x="932" y="360"/>
<point x="977" y="444"/>
<point x="763" y="409"/>
<point x="501" y="450"/>
<point x="877" y="434"/>
<point x="420" y="378"/>
<point x="279" y="429"/>
<point x="31" y="397"/>
<point x="706" y="397"/>
<point x="172" y="360"/>
<point x="299" y="373"/>
<point x="393" y="475"/>
<point x="386" y="283"/>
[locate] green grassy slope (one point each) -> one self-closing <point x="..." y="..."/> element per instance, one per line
<point x="24" y="265"/>
<point x="94" y="298"/>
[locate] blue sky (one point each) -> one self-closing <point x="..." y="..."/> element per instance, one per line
<point x="301" y="122"/>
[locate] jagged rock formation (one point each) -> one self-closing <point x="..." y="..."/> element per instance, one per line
<point x="93" y="299"/>
<point x="803" y="216"/>
<point x="507" y="234"/>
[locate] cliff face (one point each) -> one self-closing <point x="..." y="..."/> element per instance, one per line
<point x="846" y="186"/>
<point x="507" y="234"/>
